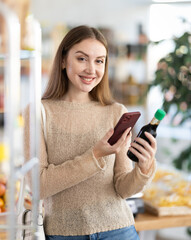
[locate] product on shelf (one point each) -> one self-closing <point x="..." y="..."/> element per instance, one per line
<point x="21" y="8"/>
<point x="4" y="176"/>
<point x="169" y="193"/>
<point x="28" y="199"/>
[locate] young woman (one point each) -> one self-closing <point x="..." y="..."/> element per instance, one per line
<point x="84" y="181"/>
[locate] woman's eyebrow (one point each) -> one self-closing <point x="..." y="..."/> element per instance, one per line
<point x="88" y="55"/>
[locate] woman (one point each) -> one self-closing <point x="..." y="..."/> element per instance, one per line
<point x="84" y="181"/>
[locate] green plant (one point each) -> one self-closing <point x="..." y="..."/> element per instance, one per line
<point x="173" y="75"/>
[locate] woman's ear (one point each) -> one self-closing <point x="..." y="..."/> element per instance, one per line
<point x="63" y="64"/>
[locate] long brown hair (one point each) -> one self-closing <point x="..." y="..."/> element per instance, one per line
<point x="58" y="82"/>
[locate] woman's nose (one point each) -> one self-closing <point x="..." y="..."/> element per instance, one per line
<point x="90" y="68"/>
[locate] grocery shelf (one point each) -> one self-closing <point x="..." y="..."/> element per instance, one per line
<point x="12" y="78"/>
<point x="24" y="54"/>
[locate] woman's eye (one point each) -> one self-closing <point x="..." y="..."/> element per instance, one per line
<point x="82" y="59"/>
<point x="100" y="61"/>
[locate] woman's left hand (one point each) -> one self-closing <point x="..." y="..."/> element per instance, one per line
<point x="146" y="152"/>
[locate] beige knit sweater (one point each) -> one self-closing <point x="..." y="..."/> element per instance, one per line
<point x="83" y="195"/>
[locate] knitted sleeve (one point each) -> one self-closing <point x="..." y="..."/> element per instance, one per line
<point x="129" y="180"/>
<point x="56" y="178"/>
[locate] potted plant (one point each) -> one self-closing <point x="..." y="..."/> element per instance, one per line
<point x="173" y="75"/>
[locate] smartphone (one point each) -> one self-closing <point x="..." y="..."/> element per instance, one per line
<point x="127" y="120"/>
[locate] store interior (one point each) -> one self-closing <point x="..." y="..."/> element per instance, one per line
<point x="149" y="45"/>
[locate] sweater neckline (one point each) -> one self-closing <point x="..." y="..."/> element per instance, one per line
<point x="76" y="105"/>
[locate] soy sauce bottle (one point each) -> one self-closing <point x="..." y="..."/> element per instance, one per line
<point x="151" y="128"/>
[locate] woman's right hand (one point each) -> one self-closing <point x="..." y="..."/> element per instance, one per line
<point x="103" y="148"/>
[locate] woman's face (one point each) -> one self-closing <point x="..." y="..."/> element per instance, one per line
<point x="85" y="65"/>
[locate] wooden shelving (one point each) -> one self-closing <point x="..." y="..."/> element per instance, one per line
<point x="146" y="221"/>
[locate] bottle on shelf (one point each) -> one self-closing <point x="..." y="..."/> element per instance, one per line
<point x="142" y="37"/>
<point x="151" y="128"/>
<point x="133" y="90"/>
<point x="4" y="170"/>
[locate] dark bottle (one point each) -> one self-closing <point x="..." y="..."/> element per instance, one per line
<point x="151" y="128"/>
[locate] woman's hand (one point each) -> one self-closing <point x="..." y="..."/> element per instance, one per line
<point x="146" y="152"/>
<point x="103" y="148"/>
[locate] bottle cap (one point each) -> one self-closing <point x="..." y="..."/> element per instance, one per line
<point x="160" y="114"/>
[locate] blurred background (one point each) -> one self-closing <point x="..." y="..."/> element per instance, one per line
<point x="149" y="64"/>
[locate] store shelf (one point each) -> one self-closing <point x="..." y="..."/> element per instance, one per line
<point x="24" y="54"/>
<point x="11" y="69"/>
<point x="146" y="221"/>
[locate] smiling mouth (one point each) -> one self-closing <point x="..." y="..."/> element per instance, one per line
<point x="87" y="79"/>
